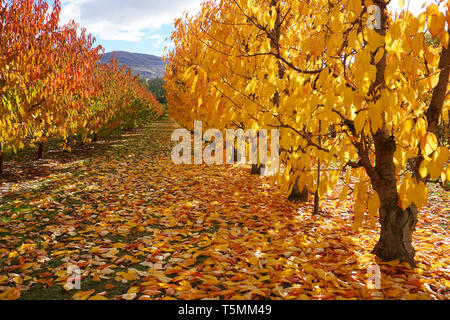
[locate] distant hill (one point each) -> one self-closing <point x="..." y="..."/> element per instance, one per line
<point x="148" y="66"/>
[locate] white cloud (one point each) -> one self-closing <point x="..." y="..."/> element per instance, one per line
<point x="125" y="20"/>
<point x="157" y="36"/>
<point x="133" y="20"/>
<point x="414" y="6"/>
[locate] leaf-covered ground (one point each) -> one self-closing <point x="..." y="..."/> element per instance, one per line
<point x="140" y="227"/>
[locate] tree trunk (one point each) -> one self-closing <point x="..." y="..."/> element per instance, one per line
<point x="95" y="137"/>
<point x="256" y="169"/>
<point x="297" y="195"/>
<point x="40" y="151"/>
<point x="316" y="195"/>
<point x="1" y="162"/>
<point x="316" y="203"/>
<point x="397" y="227"/>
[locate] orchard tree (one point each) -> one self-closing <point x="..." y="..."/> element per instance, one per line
<point x="52" y="84"/>
<point x="43" y="67"/>
<point x="354" y="91"/>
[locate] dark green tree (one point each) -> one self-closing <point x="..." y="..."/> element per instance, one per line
<point x="156" y="87"/>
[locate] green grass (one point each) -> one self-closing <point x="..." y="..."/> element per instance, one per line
<point x="57" y="292"/>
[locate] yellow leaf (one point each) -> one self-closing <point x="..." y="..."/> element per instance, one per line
<point x="11" y="294"/>
<point x="403" y="192"/>
<point x="27" y="266"/>
<point x="430" y="145"/>
<point x="379" y="55"/>
<point x="316" y="45"/>
<point x="435" y="171"/>
<point x="188" y="262"/>
<point x="436" y="23"/>
<point x="421" y="128"/>
<point x="13" y="254"/>
<point x="258" y="292"/>
<point x="442" y="156"/>
<point x="420" y="195"/>
<point x="322" y="274"/>
<point x="376" y="120"/>
<point x="431" y="81"/>
<point x="118" y="245"/>
<point x="83" y="295"/>
<point x="359" y="215"/>
<point x="417" y="44"/>
<point x="423" y="170"/>
<point x="210" y="280"/>
<point x="344" y="194"/>
<point x="393" y="263"/>
<point x="98" y="297"/>
<point x="360" y="120"/>
<point x="447" y="283"/>
<point x="133" y="290"/>
<point x="130" y="275"/>
<point x="254" y="261"/>
<point x="432" y="9"/>
<point x="129" y="296"/>
<point x="394" y="293"/>
<point x="412" y="296"/>
<point x="355" y="6"/>
<point x="400" y="158"/>
<point x="445" y="38"/>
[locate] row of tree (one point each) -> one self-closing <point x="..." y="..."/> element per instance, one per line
<point x="52" y="83"/>
<point x="356" y="93"/>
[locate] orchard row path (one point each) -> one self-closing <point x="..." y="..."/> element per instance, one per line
<point x="139" y="227"/>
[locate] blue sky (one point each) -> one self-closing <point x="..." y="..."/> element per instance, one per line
<point x="143" y="26"/>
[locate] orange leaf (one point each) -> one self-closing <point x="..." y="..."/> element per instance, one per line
<point x="83" y="295"/>
<point x="11" y="294"/>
